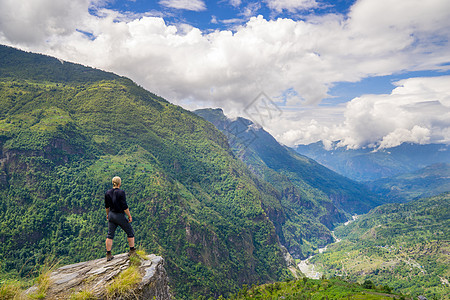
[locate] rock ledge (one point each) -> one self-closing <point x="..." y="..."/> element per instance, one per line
<point x="95" y="275"/>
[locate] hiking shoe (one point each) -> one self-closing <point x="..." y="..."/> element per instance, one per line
<point x="132" y="253"/>
<point x="109" y="257"/>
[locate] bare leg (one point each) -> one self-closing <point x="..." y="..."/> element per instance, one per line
<point x="130" y="242"/>
<point x="109" y="243"/>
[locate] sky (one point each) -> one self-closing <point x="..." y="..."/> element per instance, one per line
<point x="367" y="73"/>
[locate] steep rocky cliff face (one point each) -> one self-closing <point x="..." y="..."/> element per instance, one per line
<point x="97" y="279"/>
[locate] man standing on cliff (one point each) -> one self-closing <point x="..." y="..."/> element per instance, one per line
<point x="116" y="208"/>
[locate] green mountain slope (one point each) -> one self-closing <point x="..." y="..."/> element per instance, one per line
<point x="430" y="181"/>
<point x="405" y="246"/>
<point x="333" y="288"/>
<point x="314" y="199"/>
<point x="66" y="130"/>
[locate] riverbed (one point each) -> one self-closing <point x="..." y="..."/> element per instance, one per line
<point x="308" y="268"/>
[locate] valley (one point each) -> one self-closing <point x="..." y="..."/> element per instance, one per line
<point x="309" y="269"/>
<point x="314" y="199"/>
<point x="223" y="213"/>
<point x="405" y="246"/>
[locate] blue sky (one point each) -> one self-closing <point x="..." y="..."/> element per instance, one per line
<point x="370" y="73"/>
<point x="200" y="14"/>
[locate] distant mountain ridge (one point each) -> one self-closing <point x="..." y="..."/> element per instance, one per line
<point x="313" y="198"/>
<point x="368" y="165"/>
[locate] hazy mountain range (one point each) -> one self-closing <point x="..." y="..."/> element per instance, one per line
<point x="369" y="164"/>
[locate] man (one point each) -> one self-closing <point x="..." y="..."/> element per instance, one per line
<point x="116" y="208"/>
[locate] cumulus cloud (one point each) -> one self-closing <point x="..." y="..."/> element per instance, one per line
<point x="31" y="22"/>
<point x="194" y="5"/>
<point x="229" y="69"/>
<point x="417" y="111"/>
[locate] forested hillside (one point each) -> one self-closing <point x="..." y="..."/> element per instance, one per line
<point x="314" y="199"/>
<point x="333" y="288"/>
<point x="66" y="130"/>
<point x="430" y="181"/>
<point x="405" y="246"/>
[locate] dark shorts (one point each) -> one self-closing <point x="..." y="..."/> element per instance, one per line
<point x="118" y="219"/>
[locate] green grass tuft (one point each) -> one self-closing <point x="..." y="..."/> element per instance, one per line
<point x="135" y="261"/>
<point x="11" y="289"/>
<point x="43" y="280"/>
<point x="142" y="254"/>
<point x="124" y="283"/>
<point x="83" y="295"/>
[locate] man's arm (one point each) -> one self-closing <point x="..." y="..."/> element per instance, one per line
<point x="127" y="212"/>
<point x="107" y="212"/>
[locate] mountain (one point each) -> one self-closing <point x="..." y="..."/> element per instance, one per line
<point x="368" y="164"/>
<point x="430" y="181"/>
<point x="66" y="130"/>
<point x="314" y="199"/>
<point x="405" y="246"/>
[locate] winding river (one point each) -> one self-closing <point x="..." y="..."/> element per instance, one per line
<point x="308" y="268"/>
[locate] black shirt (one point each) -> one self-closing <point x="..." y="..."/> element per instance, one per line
<point x="115" y="200"/>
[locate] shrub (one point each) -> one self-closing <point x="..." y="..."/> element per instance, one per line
<point x="368" y="284"/>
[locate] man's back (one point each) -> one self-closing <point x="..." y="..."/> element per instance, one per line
<point x="115" y="199"/>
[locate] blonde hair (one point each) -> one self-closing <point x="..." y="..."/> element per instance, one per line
<point x="116" y="181"/>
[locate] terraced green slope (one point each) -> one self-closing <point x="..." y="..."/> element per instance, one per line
<point x="405" y="246"/>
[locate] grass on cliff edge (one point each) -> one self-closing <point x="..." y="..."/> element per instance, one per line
<point x="124" y="283"/>
<point x="83" y="295"/>
<point x="11" y="289"/>
<point x="15" y="289"/>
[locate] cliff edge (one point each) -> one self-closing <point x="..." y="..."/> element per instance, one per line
<point x="120" y="278"/>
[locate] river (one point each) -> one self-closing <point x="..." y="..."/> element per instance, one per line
<point x="308" y="268"/>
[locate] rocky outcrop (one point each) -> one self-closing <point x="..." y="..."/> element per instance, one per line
<point x="93" y="278"/>
<point x="290" y="262"/>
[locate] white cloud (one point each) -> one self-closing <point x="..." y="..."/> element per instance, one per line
<point x="251" y="9"/>
<point x="417" y="134"/>
<point x="417" y="110"/>
<point x="232" y="21"/>
<point x="235" y="3"/>
<point x="307" y="125"/>
<point x="277" y="55"/>
<point x="30" y="22"/>
<point x="291" y="5"/>
<point x="229" y="69"/>
<point x="194" y="5"/>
